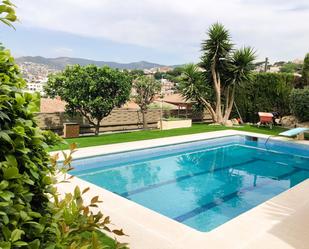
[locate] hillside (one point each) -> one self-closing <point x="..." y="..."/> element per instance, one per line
<point x="60" y="62"/>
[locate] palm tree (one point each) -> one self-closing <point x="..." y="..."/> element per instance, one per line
<point x="239" y="70"/>
<point x="192" y="86"/>
<point x="223" y="70"/>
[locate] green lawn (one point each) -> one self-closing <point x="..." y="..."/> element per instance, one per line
<point x="108" y="242"/>
<point x="151" y="134"/>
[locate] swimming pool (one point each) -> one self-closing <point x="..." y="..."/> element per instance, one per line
<point x="202" y="184"/>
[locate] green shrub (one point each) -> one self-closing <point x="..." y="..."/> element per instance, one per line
<point x="31" y="214"/>
<point x="299" y="101"/>
<point x="305" y="71"/>
<point x="267" y="92"/>
<point x="24" y="170"/>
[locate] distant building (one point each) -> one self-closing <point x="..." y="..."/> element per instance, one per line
<point x="35" y="87"/>
<point x="274" y="69"/>
<point x="298" y="61"/>
<point x="36" y="76"/>
<point x="168" y="87"/>
<point x="148" y="71"/>
<point x="158" y="69"/>
<point x="164" y="69"/>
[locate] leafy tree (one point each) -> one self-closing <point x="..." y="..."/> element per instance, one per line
<point x="159" y="75"/>
<point x="7" y="13"/>
<point x="92" y="91"/>
<point x="171" y="75"/>
<point x="290" y="67"/>
<point x="305" y="70"/>
<point x="136" y="73"/>
<point x="145" y="88"/>
<point x="224" y="69"/>
<point x="174" y="74"/>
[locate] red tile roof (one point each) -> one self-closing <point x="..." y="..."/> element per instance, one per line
<point x="52" y="105"/>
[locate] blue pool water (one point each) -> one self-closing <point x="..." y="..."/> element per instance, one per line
<point x="201" y="184"/>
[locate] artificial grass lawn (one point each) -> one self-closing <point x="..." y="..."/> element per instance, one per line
<point x="108" y="242"/>
<point x="151" y="134"/>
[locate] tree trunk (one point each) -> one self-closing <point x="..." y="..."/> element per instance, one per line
<point x="230" y="105"/>
<point x="97" y="128"/>
<point x="227" y="100"/>
<point x="217" y="88"/>
<point x="219" y="118"/>
<point x="209" y="108"/>
<point x="145" y="124"/>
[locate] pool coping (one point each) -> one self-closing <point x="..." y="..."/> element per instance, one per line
<point x="151" y="230"/>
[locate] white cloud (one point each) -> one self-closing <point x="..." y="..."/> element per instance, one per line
<point x="62" y="51"/>
<point x="276" y="28"/>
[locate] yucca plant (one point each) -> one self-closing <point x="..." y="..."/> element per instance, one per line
<point x="223" y="69"/>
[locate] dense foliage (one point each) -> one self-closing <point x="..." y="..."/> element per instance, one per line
<point x="145" y="89"/>
<point x="299" y="102"/>
<point x="135" y="73"/>
<point x="92" y="91"/>
<point x="291" y="67"/>
<point x="24" y="163"/>
<point x="171" y="75"/>
<point x="305" y="71"/>
<point x="267" y="92"/>
<point x="31" y="214"/>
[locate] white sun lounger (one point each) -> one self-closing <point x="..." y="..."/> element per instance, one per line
<point x="299" y="132"/>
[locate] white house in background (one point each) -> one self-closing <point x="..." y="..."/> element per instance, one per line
<point x="33" y="87"/>
<point x="36" y="85"/>
<point x="168" y="87"/>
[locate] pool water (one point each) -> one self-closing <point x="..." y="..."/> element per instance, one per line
<point x="201" y="184"/>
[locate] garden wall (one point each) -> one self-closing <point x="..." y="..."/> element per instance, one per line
<point x="119" y="120"/>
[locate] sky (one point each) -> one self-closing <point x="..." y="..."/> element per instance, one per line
<point x="163" y="31"/>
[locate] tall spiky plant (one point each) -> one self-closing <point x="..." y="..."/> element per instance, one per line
<point x="239" y="71"/>
<point x="192" y="86"/>
<point x="216" y="50"/>
<point x="224" y="69"/>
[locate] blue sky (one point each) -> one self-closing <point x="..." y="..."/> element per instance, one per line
<point x="49" y="43"/>
<point x="162" y="31"/>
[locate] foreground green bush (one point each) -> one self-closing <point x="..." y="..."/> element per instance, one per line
<point x="31" y="213"/>
<point x="299" y="101"/>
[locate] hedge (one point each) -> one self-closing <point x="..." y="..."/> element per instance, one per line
<point x="268" y="92"/>
<point x="299" y="103"/>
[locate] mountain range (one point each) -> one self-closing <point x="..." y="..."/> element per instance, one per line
<point x="61" y="62"/>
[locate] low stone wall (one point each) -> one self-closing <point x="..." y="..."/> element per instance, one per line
<point x="173" y="124"/>
<point x="119" y="120"/>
